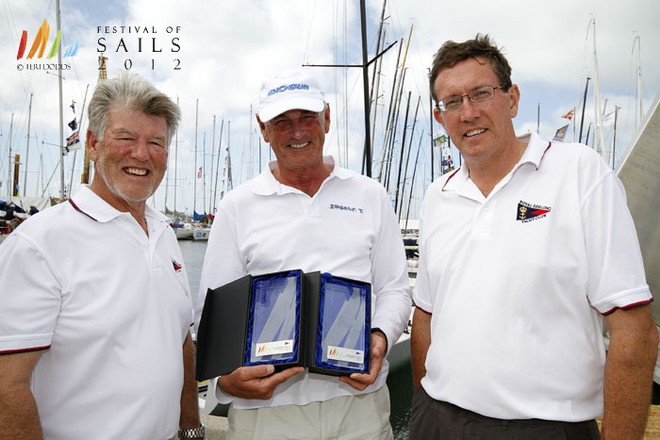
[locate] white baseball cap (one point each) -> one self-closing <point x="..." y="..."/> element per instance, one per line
<point x="289" y="90"/>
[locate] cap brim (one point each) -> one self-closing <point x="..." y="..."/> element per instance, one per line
<point x="271" y="110"/>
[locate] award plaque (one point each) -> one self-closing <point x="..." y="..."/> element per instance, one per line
<point x="343" y="326"/>
<point x="285" y="319"/>
<point x="251" y="321"/>
<point x="274" y="319"/>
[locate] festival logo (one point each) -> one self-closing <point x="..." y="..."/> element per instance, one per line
<point x="139" y="47"/>
<point x="38" y="50"/>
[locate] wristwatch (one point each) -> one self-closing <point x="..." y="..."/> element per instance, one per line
<point x="192" y="432"/>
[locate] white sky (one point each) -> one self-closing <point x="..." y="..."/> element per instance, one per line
<point x="228" y="47"/>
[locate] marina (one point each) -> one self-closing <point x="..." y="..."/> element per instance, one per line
<point x="202" y="170"/>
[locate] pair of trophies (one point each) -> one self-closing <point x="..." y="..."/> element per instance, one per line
<point x="287" y="319"/>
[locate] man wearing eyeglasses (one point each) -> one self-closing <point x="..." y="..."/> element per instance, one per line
<point x="525" y="252"/>
<point x="305" y="212"/>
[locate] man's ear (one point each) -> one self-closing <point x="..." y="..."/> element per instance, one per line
<point x="437" y="115"/>
<point x="264" y="132"/>
<point x="91" y="145"/>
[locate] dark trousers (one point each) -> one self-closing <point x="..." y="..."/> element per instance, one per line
<point x="435" y="420"/>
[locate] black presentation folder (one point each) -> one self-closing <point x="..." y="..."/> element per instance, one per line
<point x="286" y="319"/>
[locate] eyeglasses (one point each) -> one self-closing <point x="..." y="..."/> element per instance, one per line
<point x="480" y="94"/>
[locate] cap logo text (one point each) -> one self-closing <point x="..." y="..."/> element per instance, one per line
<point x="284" y="88"/>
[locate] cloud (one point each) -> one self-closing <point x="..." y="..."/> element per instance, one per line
<point x="227" y="48"/>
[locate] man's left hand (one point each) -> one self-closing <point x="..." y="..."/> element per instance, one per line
<point x="360" y="381"/>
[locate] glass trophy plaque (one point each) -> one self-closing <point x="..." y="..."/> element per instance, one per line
<point x="343" y="333"/>
<point x="286" y="318"/>
<point x="274" y="319"/>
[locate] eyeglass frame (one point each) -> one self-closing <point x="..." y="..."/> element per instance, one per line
<point x="440" y="105"/>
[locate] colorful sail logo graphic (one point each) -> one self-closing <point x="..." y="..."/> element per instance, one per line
<point x="41" y="41"/>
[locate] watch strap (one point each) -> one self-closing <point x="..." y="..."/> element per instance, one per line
<point x="192" y="432"/>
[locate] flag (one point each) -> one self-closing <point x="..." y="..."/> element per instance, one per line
<point x="608" y="119"/>
<point x="73" y="106"/>
<point x="72" y="142"/>
<point x="199" y="173"/>
<point x="440" y="140"/>
<point x="73" y="139"/>
<point x="73" y="125"/>
<point x="569" y="115"/>
<point x="560" y="134"/>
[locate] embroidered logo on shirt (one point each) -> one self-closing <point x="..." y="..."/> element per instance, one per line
<point x="177" y="266"/>
<point x="528" y="212"/>
<point x="346" y="208"/>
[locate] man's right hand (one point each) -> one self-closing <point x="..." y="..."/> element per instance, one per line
<point x="255" y="382"/>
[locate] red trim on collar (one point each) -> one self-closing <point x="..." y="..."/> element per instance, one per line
<point x="80" y="210"/>
<point x="543" y="155"/>
<point x="450" y="177"/>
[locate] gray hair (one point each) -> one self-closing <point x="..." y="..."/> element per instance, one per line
<point x="131" y="92"/>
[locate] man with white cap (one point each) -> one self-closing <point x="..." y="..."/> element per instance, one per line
<point x="304" y="212"/>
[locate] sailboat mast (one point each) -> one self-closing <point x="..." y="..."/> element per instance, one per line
<point x="203" y="167"/>
<point x="217" y="168"/>
<point x="27" y="147"/>
<point x="176" y="155"/>
<point x="613" y="155"/>
<point x="385" y="150"/>
<point x="639" y="113"/>
<point x="9" y="179"/>
<point x="61" y="101"/>
<point x="366" y="159"/>
<point x="405" y="170"/>
<point x="230" y="183"/>
<point x="403" y="142"/>
<point x="195" y="175"/>
<point x="600" y="141"/>
<point x="375" y="83"/>
<point x="212" y="168"/>
<point x="584" y="103"/>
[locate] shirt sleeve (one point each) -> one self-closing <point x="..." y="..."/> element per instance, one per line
<point x="616" y="270"/>
<point x="30" y="296"/>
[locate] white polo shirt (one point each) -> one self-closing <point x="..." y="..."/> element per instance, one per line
<point x="516" y="283"/>
<point x="348" y="229"/>
<point x="110" y="307"/>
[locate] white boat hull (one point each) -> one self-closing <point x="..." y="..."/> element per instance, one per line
<point x="201" y="234"/>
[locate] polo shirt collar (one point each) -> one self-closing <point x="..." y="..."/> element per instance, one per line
<point x="90" y="204"/>
<point x="533" y="154"/>
<point x="265" y="184"/>
<point x="535" y="151"/>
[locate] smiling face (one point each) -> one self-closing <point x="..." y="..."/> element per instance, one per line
<point x="131" y="160"/>
<point x="483" y="130"/>
<point x="297" y="138"/>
